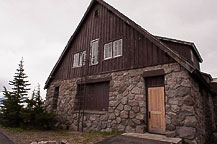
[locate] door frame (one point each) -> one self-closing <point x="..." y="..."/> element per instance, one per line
<point x="147" y="109"/>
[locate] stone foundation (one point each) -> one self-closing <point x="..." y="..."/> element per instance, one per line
<point x="186" y="107"/>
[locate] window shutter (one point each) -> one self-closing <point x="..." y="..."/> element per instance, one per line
<point x="82" y="58"/>
<point x="94" y="52"/>
<point x="120" y="47"/>
<point x="114" y="49"/>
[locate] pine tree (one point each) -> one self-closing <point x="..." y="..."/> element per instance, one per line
<point x="10" y="110"/>
<point x="20" y="84"/>
<point x="12" y="106"/>
<point x="39" y="103"/>
<point x="35" y="102"/>
<point x="34" y="115"/>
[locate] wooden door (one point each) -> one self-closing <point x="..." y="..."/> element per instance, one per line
<point x="156" y="110"/>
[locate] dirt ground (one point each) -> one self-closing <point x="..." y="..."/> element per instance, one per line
<point x="20" y="136"/>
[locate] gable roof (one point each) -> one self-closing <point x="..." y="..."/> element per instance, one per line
<point x="149" y="36"/>
<point x="184" y="43"/>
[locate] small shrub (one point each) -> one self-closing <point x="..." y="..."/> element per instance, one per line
<point x="45" y="120"/>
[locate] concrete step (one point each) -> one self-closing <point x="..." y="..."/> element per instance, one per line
<point x="156" y="137"/>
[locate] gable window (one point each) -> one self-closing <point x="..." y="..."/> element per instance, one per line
<point x="76" y="60"/>
<point x="79" y="59"/>
<point x="113" y="49"/>
<point x="117" y="48"/>
<point x="108" y="50"/>
<point x="94" y="52"/>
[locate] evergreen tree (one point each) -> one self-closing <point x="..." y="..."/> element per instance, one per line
<point x="35" y="102"/>
<point x="14" y="114"/>
<point x="10" y="110"/>
<point x="38" y="101"/>
<point x="34" y="115"/>
<point x="12" y="106"/>
<point x="20" y="84"/>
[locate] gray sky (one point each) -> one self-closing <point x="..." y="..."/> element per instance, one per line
<point x="39" y="30"/>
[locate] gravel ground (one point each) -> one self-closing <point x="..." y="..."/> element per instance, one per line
<point x="20" y="136"/>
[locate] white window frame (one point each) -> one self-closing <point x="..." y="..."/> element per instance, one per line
<point x="76" y="60"/>
<point x="94" y="50"/>
<point x="108" y="46"/>
<point x="117" y="48"/>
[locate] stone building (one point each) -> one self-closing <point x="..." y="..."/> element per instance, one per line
<point x="115" y="76"/>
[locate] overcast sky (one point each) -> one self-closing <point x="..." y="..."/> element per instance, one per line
<point x="38" y="30"/>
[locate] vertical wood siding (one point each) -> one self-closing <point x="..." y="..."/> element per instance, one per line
<point x="184" y="51"/>
<point x="138" y="51"/>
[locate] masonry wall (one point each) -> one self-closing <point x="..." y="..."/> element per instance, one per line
<point x="188" y="109"/>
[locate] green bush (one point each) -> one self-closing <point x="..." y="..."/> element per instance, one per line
<point x="35" y="116"/>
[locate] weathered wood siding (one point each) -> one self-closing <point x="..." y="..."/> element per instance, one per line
<point x="138" y="51"/>
<point x="184" y="51"/>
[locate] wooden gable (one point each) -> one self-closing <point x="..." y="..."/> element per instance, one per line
<point x="103" y="22"/>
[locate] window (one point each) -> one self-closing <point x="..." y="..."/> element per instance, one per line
<point x="55" y="98"/>
<point x="113" y="49"/>
<point x="76" y="60"/>
<point x="79" y="59"/>
<point x="94" y="52"/>
<point x="96" y="96"/>
<point x="108" y="50"/>
<point x="117" y="48"/>
<point x="82" y="58"/>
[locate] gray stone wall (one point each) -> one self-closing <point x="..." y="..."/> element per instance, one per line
<point x="185" y="117"/>
<point x="190" y="110"/>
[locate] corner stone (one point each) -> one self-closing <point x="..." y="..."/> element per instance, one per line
<point x="186" y="132"/>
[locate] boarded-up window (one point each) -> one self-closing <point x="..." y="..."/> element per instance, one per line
<point x="108" y="50"/>
<point x="117" y="48"/>
<point x="94" y="52"/>
<point x="55" y="98"/>
<point x="76" y="60"/>
<point x="96" y="96"/>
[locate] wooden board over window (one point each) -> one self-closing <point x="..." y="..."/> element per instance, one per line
<point x="96" y="97"/>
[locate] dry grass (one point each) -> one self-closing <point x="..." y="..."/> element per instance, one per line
<point x="20" y="136"/>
